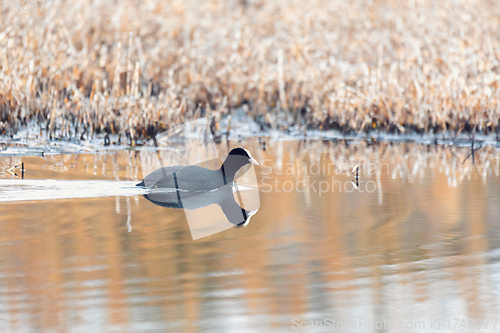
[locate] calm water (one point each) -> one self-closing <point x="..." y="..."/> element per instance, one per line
<point x="415" y="248"/>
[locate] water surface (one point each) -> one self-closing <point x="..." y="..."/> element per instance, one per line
<point x="417" y="243"/>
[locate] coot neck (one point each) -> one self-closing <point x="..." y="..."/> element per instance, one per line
<point x="228" y="170"/>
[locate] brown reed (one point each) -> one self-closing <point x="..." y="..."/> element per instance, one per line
<point x="85" y="67"/>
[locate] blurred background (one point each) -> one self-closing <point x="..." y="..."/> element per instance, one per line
<point x="82" y="67"/>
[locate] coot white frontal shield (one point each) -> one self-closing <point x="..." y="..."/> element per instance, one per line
<point x="182" y="169"/>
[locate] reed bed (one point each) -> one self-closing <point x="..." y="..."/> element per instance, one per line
<point x="133" y="68"/>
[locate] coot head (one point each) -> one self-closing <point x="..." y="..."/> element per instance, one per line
<point x="240" y="152"/>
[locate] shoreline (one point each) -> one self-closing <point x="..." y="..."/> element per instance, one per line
<point x="29" y="146"/>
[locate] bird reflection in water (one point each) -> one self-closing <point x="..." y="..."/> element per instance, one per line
<point x="223" y="196"/>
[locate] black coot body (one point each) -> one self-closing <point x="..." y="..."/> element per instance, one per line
<point x="196" y="178"/>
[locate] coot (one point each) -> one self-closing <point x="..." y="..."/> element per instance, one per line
<point x="196" y="178"/>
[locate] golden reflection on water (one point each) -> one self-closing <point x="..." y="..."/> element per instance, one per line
<point x="418" y="240"/>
